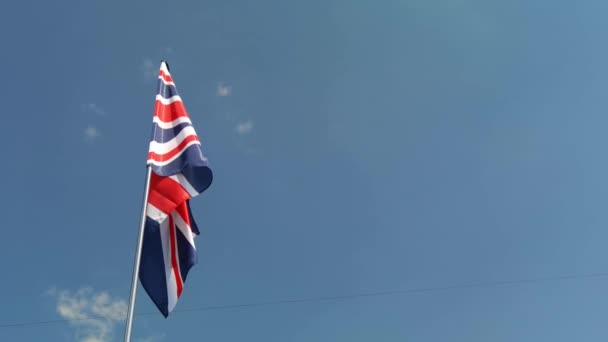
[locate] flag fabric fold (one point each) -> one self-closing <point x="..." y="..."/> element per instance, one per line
<point x="180" y="171"/>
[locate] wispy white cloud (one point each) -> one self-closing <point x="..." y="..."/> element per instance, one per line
<point x="149" y="69"/>
<point x="244" y="127"/>
<point x="153" y="338"/>
<point x="92" y="314"/>
<point x="94" y="108"/>
<point x="91" y="133"/>
<point x="224" y="90"/>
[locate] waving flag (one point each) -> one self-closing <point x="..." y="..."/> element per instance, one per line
<point x="179" y="172"/>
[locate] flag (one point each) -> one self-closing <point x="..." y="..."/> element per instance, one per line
<point x="180" y="171"/>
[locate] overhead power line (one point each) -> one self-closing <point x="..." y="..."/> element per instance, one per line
<point x="342" y="297"/>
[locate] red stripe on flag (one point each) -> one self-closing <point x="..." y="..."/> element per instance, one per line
<point x="169" y="112"/>
<point x="166" y="194"/>
<point x="166" y="77"/>
<point x="182" y="211"/>
<point x="166" y="156"/>
<point x="160" y="202"/>
<point x="176" y="272"/>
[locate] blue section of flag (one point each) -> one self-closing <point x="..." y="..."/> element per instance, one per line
<point x="200" y="178"/>
<point x="166" y="90"/>
<point x="190" y="160"/>
<point x="161" y="135"/>
<point x="187" y="255"/>
<point x="192" y="221"/>
<point x="152" y="267"/>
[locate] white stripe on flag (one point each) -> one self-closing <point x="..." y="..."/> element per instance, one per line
<point x="168" y="101"/>
<point x="183" y="227"/>
<point x="168" y="161"/>
<point x="168" y="146"/>
<point x="155" y="213"/>
<point x="167" y="125"/>
<point x="164" y="69"/>
<point x="179" y="178"/>
<point x="165" y="82"/>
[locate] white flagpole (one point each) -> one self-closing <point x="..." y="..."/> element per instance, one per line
<point x="140" y="238"/>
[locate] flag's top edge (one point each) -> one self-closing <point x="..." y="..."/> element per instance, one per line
<point x="164" y="66"/>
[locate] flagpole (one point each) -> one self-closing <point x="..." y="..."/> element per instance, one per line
<point x="140" y="238"/>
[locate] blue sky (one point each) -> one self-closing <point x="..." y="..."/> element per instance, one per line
<point x="357" y="146"/>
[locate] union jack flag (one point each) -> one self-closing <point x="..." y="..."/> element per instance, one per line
<point x="180" y="171"/>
